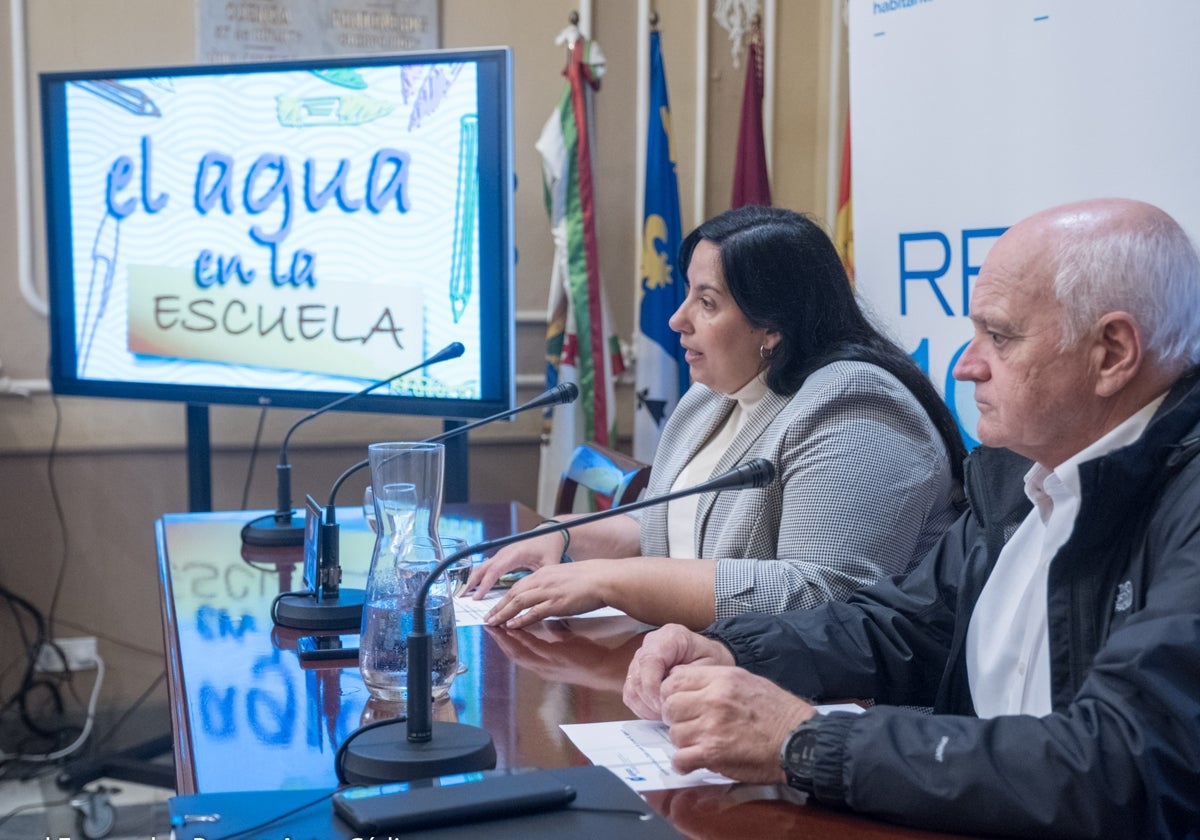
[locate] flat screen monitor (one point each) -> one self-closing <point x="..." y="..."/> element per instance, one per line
<point x="284" y="234"/>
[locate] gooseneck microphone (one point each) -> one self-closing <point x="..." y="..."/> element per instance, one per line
<point x="343" y="611"/>
<point x="567" y="392"/>
<point x="282" y="527"/>
<point x="437" y="748"/>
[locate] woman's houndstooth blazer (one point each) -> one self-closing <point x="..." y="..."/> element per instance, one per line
<point x="863" y="487"/>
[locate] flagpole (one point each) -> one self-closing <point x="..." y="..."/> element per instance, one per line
<point x="641" y="123"/>
<point x="768" y="45"/>
<point x="585" y="18"/>
<point x="834" y="156"/>
<point x="700" y="187"/>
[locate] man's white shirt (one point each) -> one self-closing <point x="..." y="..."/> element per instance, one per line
<point x="1008" y="647"/>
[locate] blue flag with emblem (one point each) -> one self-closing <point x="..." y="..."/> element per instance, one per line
<point x="662" y="371"/>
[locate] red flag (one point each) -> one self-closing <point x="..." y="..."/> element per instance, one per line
<point x="750" y="183"/>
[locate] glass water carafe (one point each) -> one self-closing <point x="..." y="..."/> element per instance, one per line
<point x="406" y="483"/>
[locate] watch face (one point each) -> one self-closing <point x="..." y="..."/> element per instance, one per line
<point x="799" y="755"/>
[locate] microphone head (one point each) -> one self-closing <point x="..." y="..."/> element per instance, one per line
<point x="450" y="351"/>
<point x="759" y="471"/>
<point x="564" y="392"/>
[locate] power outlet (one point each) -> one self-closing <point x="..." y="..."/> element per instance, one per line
<point x="80" y="653"/>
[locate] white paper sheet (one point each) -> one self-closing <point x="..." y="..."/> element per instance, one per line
<point x="639" y="751"/>
<point x="469" y="613"/>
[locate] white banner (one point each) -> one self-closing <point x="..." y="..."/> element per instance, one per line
<point x="968" y="115"/>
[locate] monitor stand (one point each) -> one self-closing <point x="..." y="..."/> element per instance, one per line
<point x="199" y="461"/>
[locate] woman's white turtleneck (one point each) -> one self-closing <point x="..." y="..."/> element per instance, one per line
<point x="681" y="513"/>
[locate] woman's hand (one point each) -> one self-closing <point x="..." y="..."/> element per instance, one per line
<point x="553" y="591"/>
<point x="533" y="553"/>
<point x="615" y="537"/>
<point x="568" y="656"/>
<point x="654" y="590"/>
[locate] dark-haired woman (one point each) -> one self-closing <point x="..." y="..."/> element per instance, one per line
<point x="785" y="366"/>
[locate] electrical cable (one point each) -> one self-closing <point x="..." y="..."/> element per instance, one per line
<point x="83" y="735"/>
<point x="299" y="593"/>
<point x="339" y="758"/>
<point x="58" y="513"/>
<point x="26" y="716"/>
<point x="29" y="680"/>
<point x="13" y="601"/>
<point x="27" y="647"/>
<point x="262" y="418"/>
<point x="44" y="636"/>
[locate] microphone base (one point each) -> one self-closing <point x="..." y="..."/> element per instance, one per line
<point x="267" y="531"/>
<point x="384" y="753"/>
<point x="305" y="612"/>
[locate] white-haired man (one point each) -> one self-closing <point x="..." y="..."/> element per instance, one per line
<point x="1055" y="629"/>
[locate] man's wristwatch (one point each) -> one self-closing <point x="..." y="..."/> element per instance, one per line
<point x="798" y="755"/>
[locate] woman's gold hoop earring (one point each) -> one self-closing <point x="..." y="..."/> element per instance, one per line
<point x="765" y="353"/>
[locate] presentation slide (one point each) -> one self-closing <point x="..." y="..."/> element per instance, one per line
<point x="303" y="230"/>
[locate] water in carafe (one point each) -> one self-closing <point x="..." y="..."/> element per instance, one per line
<point x="406" y="482"/>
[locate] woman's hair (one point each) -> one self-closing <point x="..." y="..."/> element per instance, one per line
<point x="785" y="275"/>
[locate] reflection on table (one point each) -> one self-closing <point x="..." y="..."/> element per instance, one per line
<point x="248" y="716"/>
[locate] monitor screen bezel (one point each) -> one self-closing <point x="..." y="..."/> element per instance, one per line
<point x="496" y="246"/>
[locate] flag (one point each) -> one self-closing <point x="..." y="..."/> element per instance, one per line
<point x="662" y="371"/>
<point x="750" y="183"/>
<point x="581" y="345"/>
<point x="843" y="226"/>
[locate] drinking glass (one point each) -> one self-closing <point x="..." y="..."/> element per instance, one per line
<point x="459" y="571"/>
<point x="457" y="574"/>
<point x="392" y="591"/>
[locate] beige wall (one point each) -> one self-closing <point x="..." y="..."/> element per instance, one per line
<point x="120" y="464"/>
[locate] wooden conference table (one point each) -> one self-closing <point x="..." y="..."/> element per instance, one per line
<point x="248" y="716"/>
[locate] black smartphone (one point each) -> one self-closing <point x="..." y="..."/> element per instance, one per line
<point x="313" y="514"/>
<point x="325" y="648"/>
<point x="449" y="800"/>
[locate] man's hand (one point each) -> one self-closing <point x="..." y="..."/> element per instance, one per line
<point x="662" y="650"/>
<point x="729" y="721"/>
